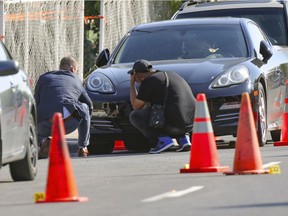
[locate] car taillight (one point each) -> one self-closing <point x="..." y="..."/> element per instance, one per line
<point x="30" y="82"/>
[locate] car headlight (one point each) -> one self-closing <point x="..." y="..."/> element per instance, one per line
<point x="232" y="76"/>
<point x="100" y="83"/>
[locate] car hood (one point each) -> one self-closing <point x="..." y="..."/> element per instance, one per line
<point x="193" y="71"/>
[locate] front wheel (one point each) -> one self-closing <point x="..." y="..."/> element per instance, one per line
<point x="137" y="144"/>
<point x="100" y="145"/>
<point x="26" y="169"/>
<point x="262" y="116"/>
<point x="275" y="135"/>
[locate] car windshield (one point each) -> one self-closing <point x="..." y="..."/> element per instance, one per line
<point x="183" y="42"/>
<point x="270" y="20"/>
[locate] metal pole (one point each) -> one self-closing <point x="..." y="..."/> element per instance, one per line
<point x="26" y="41"/>
<point x="102" y="27"/>
<point x="81" y="52"/>
<point x="2" y="21"/>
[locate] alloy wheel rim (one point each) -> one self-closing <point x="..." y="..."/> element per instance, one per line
<point x="32" y="145"/>
<point x="262" y="114"/>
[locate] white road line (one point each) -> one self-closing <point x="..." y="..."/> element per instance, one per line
<point x="173" y="194"/>
<point x="264" y="166"/>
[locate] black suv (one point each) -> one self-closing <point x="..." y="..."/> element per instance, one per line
<point x="271" y="15"/>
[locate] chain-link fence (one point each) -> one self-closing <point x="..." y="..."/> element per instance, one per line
<point x="39" y="33"/>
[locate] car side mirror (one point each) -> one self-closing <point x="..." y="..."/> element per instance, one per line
<point x="8" y="67"/>
<point x="265" y="51"/>
<point x="103" y="58"/>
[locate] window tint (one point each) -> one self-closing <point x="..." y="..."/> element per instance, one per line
<point x="183" y="42"/>
<point x="257" y="37"/>
<point x="271" y="20"/>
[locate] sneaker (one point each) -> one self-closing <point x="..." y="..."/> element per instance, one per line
<point x="44" y="148"/>
<point x="162" y="144"/>
<point x="184" y="143"/>
<point x="83" y="152"/>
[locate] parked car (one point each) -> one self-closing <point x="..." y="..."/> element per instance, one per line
<point x="18" y="143"/>
<point x="270" y="15"/>
<point x="221" y="57"/>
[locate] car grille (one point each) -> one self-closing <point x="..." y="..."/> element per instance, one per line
<point x="221" y="118"/>
<point x="228" y="118"/>
<point x="224" y="117"/>
<point x="113" y="124"/>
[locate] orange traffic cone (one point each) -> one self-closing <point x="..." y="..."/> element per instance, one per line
<point x="203" y="153"/>
<point x="284" y="129"/>
<point x="61" y="186"/>
<point x="119" y="145"/>
<point x="247" y="158"/>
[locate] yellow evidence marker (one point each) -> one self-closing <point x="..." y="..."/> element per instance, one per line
<point x="39" y="196"/>
<point x="275" y="169"/>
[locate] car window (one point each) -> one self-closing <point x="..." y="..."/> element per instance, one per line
<point x="183" y="42"/>
<point x="271" y="20"/>
<point x="3" y="53"/>
<point x="257" y="36"/>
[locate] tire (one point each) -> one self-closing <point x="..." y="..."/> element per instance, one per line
<point x="275" y="135"/>
<point x="26" y="169"/>
<point x="100" y="145"/>
<point x="137" y="144"/>
<point x="262" y="116"/>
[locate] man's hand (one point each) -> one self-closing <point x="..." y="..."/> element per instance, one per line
<point x="132" y="80"/>
<point x="136" y="104"/>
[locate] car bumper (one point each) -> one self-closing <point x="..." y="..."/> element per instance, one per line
<point x="113" y="118"/>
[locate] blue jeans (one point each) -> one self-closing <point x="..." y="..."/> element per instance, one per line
<point x="45" y="128"/>
<point x="140" y="120"/>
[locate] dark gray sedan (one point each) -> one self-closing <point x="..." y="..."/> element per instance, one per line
<point x="221" y="57"/>
<point x="18" y="141"/>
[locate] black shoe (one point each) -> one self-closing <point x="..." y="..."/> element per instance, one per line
<point x="44" y="148"/>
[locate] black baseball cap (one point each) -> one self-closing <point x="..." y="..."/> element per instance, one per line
<point x="141" y="66"/>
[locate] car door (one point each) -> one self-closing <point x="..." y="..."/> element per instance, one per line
<point x="8" y="110"/>
<point x="8" y="88"/>
<point x="275" y="79"/>
<point x="21" y="116"/>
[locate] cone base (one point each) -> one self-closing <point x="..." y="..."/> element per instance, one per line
<point x="247" y="172"/>
<point x="205" y="169"/>
<point x="281" y="143"/>
<point x="69" y="199"/>
<point x="119" y="148"/>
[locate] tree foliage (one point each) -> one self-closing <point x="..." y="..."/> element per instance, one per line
<point x="174" y="5"/>
<point x="92" y="8"/>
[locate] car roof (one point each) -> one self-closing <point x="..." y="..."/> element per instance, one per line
<point x="190" y="21"/>
<point x="231" y="5"/>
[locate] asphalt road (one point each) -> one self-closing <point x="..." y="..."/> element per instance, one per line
<point x="129" y="183"/>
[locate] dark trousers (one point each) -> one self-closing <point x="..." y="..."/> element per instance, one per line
<point x="140" y="120"/>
